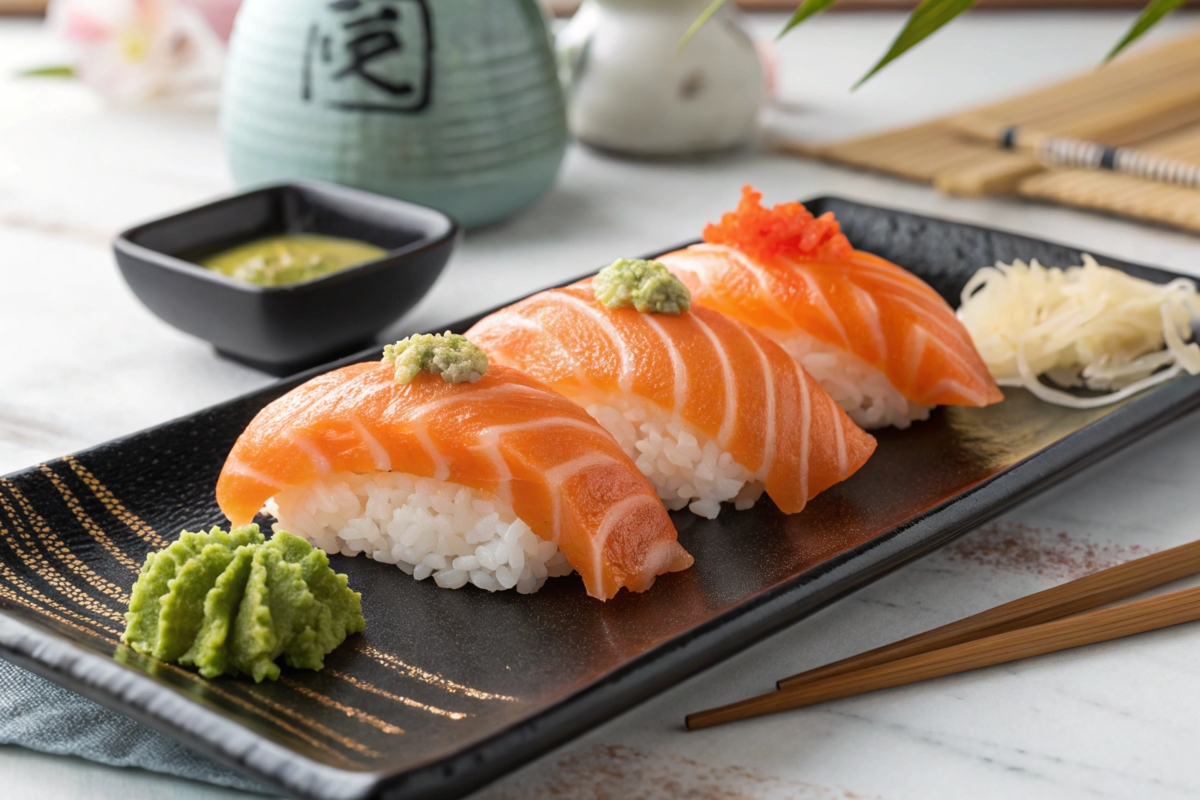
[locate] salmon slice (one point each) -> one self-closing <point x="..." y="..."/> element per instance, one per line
<point x="506" y="434"/>
<point x="786" y="273"/>
<point x="734" y="385"/>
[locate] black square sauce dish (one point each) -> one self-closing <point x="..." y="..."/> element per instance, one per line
<point x="282" y="329"/>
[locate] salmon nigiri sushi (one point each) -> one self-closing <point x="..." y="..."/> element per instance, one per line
<point x="443" y="464"/>
<point x="709" y="409"/>
<point x="880" y="340"/>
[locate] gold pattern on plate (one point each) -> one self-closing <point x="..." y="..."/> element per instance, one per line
<point x="408" y="701"/>
<point x="328" y="733"/>
<point x="408" y="670"/>
<point x="23" y="593"/>
<point x="38" y="563"/>
<point x="114" y="506"/>
<point x="11" y="595"/>
<point x="94" y="530"/>
<point x="284" y="725"/>
<point x="29" y="591"/>
<point x="57" y="546"/>
<point x="356" y="714"/>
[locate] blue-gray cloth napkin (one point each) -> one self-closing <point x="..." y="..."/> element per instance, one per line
<point x="40" y="715"/>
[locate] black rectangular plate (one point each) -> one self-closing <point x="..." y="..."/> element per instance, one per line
<point x="448" y="690"/>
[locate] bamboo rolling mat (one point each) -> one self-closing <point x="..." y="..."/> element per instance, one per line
<point x="1150" y="101"/>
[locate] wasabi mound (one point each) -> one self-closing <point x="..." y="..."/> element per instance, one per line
<point x="232" y="603"/>
<point x="647" y="286"/>
<point x="447" y="354"/>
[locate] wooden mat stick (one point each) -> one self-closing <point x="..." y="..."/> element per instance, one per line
<point x="1150" y="68"/>
<point x="1090" y="627"/>
<point x="1156" y="88"/>
<point x="1090" y="591"/>
<point x="1153" y="112"/>
<point x="990" y="172"/>
<point x="1156" y="111"/>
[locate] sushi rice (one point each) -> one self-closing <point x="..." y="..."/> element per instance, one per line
<point x="686" y="467"/>
<point x="862" y="390"/>
<point x="424" y="526"/>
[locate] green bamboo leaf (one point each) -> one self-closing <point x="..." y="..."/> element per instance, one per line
<point x="1151" y="14"/>
<point x="699" y="23"/>
<point x="57" y="71"/>
<point x="807" y="9"/>
<point x="924" y="20"/>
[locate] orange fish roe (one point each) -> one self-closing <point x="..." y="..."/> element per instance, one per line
<point x="787" y="230"/>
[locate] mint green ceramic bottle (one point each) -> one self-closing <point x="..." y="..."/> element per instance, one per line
<point x="452" y="103"/>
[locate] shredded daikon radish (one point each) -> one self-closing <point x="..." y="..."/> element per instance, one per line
<point x="1089" y="326"/>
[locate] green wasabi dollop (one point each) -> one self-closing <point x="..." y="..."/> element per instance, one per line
<point x="447" y="354"/>
<point x="232" y="603"/>
<point x="647" y="286"/>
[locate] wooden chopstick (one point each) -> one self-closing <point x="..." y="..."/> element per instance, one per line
<point x="1090" y="627"/>
<point x="1072" y="153"/>
<point x="1090" y="591"/>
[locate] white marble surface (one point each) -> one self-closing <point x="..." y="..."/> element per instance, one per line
<point x="81" y="362"/>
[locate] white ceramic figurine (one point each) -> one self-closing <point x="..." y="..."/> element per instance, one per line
<point x="633" y="90"/>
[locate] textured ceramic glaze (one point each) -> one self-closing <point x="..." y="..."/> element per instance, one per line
<point x="449" y="103"/>
<point x="634" y="90"/>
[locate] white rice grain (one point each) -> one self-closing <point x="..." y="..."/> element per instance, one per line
<point x="424" y="526"/>
<point x="687" y="468"/>
<point x="862" y="390"/>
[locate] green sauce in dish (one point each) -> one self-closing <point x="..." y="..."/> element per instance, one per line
<point x="291" y="258"/>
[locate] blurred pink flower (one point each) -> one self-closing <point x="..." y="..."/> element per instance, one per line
<point x="219" y="13"/>
<point x="134" y="51"/>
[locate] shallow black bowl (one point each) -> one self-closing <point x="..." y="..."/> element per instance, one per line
<point x="282" y="329"/>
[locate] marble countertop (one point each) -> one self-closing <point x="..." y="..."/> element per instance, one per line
<point x="81" y="362"/>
